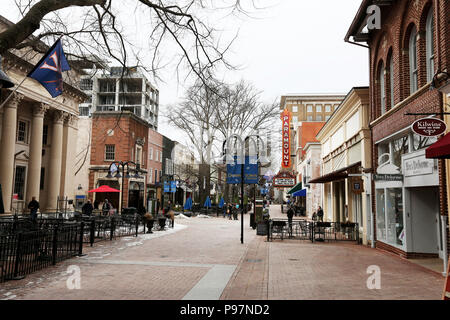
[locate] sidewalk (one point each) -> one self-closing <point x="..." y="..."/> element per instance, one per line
<point x="202" y="258"/>
<point x="301" y="270"/>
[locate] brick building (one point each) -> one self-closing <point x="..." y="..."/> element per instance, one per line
<point x="411" y="46"/>
<point x="155" y="161"/>
<point x="117" y="137"/>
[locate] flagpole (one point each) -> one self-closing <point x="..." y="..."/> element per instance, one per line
<point x="12" y="93"/>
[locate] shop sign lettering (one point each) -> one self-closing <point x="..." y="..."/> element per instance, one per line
<point x="429" y="127"/>
<point x="418" y="166"/>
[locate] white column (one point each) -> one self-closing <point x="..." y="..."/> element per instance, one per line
<point x="70" y="132"/>
<point x="55" y="160"/>
<point x="35" y="162"/>
<point x="8" y="144"/>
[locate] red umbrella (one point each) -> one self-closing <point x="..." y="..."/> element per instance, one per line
<point x="104" y="189"/>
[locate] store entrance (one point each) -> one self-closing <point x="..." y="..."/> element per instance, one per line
<point x="425" y="234"/>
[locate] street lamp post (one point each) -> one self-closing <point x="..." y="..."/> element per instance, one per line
<point x="123" y="165"/>
<point x="241" y="149"/>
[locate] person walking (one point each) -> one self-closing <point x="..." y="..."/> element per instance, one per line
<point x="235" y="212"/>
<point x="229" y="210"/>
<point x="290" y="214"/>
<point x="320" y="214"/>
<point x="105" y="208"/>
<point x="33" y="206"/>
<point x="87" y="208"/>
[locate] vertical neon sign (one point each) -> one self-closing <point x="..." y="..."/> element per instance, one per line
<point x="286" y="139"/>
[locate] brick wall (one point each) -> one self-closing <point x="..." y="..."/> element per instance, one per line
<point x="392" y="42"/>
<point x="123" y="131"/>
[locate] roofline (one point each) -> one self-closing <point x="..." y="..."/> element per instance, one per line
<point x="356" y="23"/>
<point x="354" y="89"/>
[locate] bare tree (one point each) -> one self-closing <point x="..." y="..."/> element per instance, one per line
<point x="211" y="113"/>
<point x="98" y="31"/>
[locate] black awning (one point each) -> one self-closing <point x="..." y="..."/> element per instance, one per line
<point x="335" y="175"/>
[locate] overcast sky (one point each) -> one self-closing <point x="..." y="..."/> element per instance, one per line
<point x="291" y="46"/>
<point x="295" y="46"/>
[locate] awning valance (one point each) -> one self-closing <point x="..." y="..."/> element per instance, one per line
<point x="300" y="193"/>
<point x="297" y="187"/>
<point x="439" y="149"/>
<point x="335" y="175"/>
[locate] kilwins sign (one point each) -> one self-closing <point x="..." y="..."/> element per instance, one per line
<point x="428" y="127"/>
<point x="286" y="139"/>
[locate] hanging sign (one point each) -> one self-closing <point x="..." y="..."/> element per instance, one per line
<point x="429" y="127"/>
<point x="286" y="139"/>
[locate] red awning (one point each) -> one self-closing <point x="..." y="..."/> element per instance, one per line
<point x="439" y="149"/>
<point x="105" y="189"/>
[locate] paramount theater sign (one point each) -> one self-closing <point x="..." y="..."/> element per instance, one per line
<point x="286" y="139"/>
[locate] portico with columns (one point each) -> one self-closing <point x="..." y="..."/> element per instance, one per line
<point x="37" y="141"/>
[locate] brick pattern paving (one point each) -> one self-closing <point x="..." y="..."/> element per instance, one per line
<point x="169" y="266"/>
<point x="301" y="270"/>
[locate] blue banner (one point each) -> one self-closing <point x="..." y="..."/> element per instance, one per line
<point x="166" y="186"/>
<point x="173" y="186"/>
<point x="234" y="173"/>
<point x="250" y="171"/>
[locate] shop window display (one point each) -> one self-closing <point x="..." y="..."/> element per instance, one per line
<point x="381" y="216"/>
<point x="394" y="210"/>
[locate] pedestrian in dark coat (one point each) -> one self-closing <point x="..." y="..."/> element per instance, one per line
<point x="34" y="207"/>
<point x="290" y="214"/>
<point x="320" y="214"/>
<point x="230" y="210"/>
<point x="87" y="208"/>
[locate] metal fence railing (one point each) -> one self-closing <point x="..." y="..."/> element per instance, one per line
<point x="24" y="252"/>
<point x="301" y="229"/>
<point x="27" y="246"/>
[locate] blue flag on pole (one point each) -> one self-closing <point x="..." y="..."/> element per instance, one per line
<point x="48" y="71"/>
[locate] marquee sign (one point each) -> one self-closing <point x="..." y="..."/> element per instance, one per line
<point x="284" y="180"/>
<point x="286" y="139"/>
<point x="429" y="127"/>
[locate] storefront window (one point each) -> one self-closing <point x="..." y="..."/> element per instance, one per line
<point x="382" y="149"/>
<point x="394" y="209"/>
<point x="381" y="217"/>
<point x="399" y="147"/>
<point x="420" y="142"/>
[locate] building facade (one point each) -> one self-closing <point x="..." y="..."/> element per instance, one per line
<point x="117" y="89"/>
<point x="310" y="111"/>
<point x="36" y="132"/>
<point x="409" y="190"/>
<point x="119" y="136"/>
<point x="155" y="162"/>
<point x="346" y="150"/>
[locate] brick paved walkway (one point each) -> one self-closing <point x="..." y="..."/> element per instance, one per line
<point x="197" y="260"/>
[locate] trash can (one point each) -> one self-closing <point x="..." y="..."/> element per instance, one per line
<point x="261" y="229"/>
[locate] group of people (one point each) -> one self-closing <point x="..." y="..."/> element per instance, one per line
<point x="231" y="211"/>
<point x="88" y="208"/>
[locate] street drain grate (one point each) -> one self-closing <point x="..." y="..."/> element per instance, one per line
<point x="254" y="260"/>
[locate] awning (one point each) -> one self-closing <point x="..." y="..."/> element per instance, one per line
<point x="301" y="193"/>
<point x="297" y="187"/>
<point x="439" y="149"/>
<point x="104" y="189"/>
<point x="335" y="175"/>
